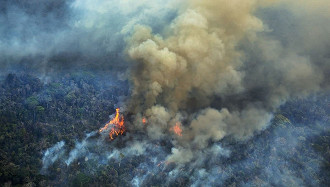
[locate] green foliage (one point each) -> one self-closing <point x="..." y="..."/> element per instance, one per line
<point x="32" y="102"/>
<point x="34" y="116"/>
<point x="40" y="109"/>
<point x="81" y="180"/>
<point x="70" y="97"/>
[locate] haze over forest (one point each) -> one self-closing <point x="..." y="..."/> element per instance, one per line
<point x="164" y="93"/>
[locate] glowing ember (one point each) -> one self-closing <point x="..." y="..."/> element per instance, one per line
<point x="164" y="163"/>
<point x="118" y="125"/>
<point x="177" y="129"/>
<point x="144" y="120"/>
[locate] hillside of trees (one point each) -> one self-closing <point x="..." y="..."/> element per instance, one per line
<point x="35" y="114"/>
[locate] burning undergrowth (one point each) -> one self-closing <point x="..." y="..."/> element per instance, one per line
<point x="281" y="155"/>
<point x="115" y="126"/>
<point x="209" y="81"/>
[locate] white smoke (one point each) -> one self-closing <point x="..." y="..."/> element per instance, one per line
<point x="52" y="154"/>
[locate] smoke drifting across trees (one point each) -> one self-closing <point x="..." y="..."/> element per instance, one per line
<point x="220" y="68"/>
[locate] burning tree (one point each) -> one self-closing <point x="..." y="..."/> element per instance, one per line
<point x="116" y="124"/>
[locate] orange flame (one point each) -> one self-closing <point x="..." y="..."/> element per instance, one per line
<point x="144" y="120"/>
<point x="118" y="125"/>
<point x="177" y="129"/>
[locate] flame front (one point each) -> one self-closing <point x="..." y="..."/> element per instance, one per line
<point x="118" y="125"/>
<point x="177" y="129"/>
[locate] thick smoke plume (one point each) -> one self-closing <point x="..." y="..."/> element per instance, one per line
<point x="215" y="68"/>
<point x="197" y="72"/>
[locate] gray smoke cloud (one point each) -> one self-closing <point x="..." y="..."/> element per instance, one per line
<point x="217" y="69"/>
<point x="55" y="35"/>
<point x="220" y="53"/>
